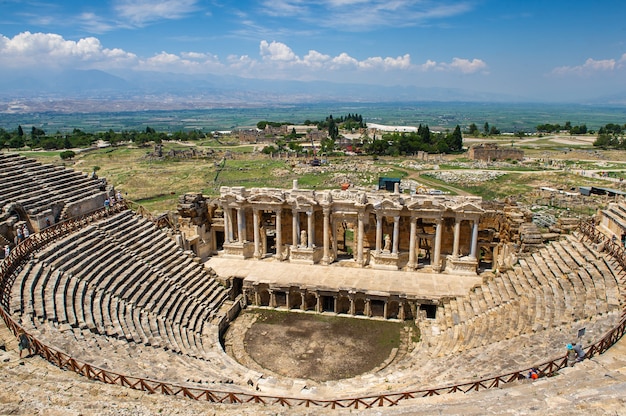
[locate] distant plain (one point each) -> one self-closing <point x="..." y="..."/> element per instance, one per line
<point x="507" y="117"/>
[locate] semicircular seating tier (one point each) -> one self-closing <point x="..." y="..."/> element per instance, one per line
<point x="46" y="190"/>
<point x="119" y="294"/>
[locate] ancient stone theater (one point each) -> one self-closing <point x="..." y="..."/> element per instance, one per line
<point x="101" y="288"/>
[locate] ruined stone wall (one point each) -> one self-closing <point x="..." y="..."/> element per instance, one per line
<point x="492" y="152"/>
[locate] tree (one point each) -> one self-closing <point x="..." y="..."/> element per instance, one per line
<point x="473" y="130"/>
<point x="486" y="129"/>
<point x="67" y="154"/>
<point x="493" y="131"/>
<point x="20" y="131"/>
<point x="455" y="143"/>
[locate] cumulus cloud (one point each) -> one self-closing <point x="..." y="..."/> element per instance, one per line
<point x="276" y="51"/>
<point x="33" y="49"/>
<point x="140" y="12"/>
<point x="466" y="66"/>
<point x="280" y="52"/>
<point x="591" y="66"/>
<point x="275" y="60"/>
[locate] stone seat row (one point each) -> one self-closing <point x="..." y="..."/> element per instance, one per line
<point x="561" y="283"/>
<point x="35" y="186"/>
<point x="501" y="355"/>
<point x="119" y="354"/>
<point x="74" y="279"/>
<point x="56" y="297"/>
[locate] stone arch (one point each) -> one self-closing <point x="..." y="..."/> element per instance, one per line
<point x="359" y="306"/>
<point x="343" y="305"/>
<point x="264" y="297"/>
<point x="408" y="311"/>
<point x="295" y="300"/>
<point x="377" y="308"/>
<point x="310" y="302"/>
<point x="280" y="299"/>
<point x="393" y="309"/>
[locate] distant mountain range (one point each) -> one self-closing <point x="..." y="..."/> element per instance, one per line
<point x="39" y="91"/>
<point x="94" y="90"/>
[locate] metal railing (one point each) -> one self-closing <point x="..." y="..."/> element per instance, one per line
<point x="64" y="361"/>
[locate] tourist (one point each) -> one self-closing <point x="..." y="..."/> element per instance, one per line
<point x="7" y="250"/>
<point x="24" y="343"/>
<point x="107" y="204"/>
<point x="20" y="234"/>
<point x="48" y="223"/>
<point x="578" y="349"/>
<point x="533" y="374"/>
<point x="118" y="196"/>
<point x="571" y="355"/>
<point x="26" y="232"/>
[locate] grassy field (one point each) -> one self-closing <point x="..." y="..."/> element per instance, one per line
<point x="157" y="183"/>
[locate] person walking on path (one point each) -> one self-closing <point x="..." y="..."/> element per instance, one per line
<point x="24" y="343"/>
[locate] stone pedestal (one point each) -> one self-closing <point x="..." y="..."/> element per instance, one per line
<point x="385" y="260"/>
<point x="462" y="265"/>
<point x="238" y="250"/>
<point x="305" y="255"/>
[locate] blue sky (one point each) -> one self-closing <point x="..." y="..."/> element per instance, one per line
<point x="536" y="50"/>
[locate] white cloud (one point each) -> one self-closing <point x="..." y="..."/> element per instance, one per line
<point x="590" y="67"/>
<point x="276" y="51"/>
<point x="466" y="66"/>
<point x="140" y="12"/>
<point x="35" y="49"/>
<point x="275" y="60"/>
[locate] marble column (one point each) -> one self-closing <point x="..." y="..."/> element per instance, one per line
<point x="359" y="250"/>
<point x="303" y="300"/>
<point x="228" y="227"/>
<point x="310" y="229"/>
<point x="412" y="255"/>
<point x="474" y="239"/>
<point x="272" y="298"/>
<point x="279" y="234"/>
<point x="457" y="237"/>
<point x="396" y="234"/>
<point x="240" y="226"/>
<point x="257" y="237"/>
<point x="436" y="261"/>
<point x="379" y="232"/>
<point x="325" y="240"/>
<point x="295" y="228"/>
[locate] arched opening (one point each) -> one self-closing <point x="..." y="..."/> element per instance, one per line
<point x="295" y="300"/>
<point x="408" y="311"/>
<point x="431" y="311"/>
<point x="393" y="309"/>
<point x="264" y="298"/>
<point x="343" y="304"/>
<point x="310" y="302"/>
<point x="359" y="306"/>
<point x="280" y="298"/>
<point x="377" y="308"/>
<point x="328" y="303"/>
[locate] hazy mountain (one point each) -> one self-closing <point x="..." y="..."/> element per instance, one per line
<point x="153" y="86"/>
